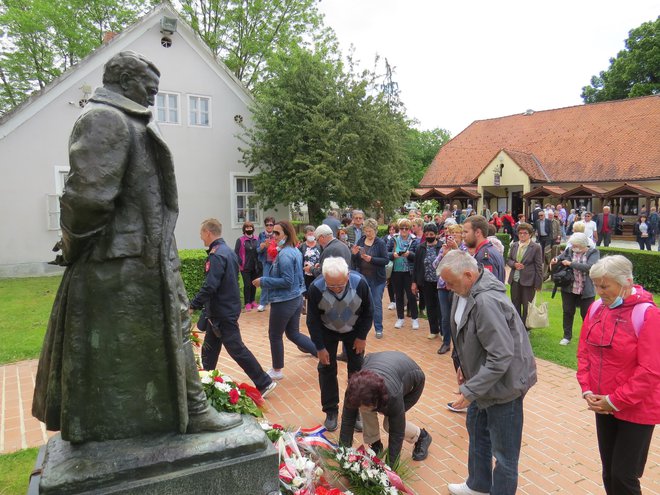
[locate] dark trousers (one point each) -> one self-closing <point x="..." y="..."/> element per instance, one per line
<point x="544" y="241"/>
<point x="644" y="243"/>
<point x="328" y="372"/>
<point x="521" y="296"/>
<point x="623" y="447"/>
<point x="285" y="319"/>
<point x="390" y="289"/>
<point x="229" y="334"/>
<point x="402" y="282"/>
<point x="569" y="303"/>
<point x="249" y="290"/>
<point x="430" y="292"/>
<point x="605" y="238"/>
<point x="445" y="297"/>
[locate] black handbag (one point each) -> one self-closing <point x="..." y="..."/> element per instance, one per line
<point x="562" y="276"/>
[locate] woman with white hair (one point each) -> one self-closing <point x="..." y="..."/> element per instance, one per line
<point x="619" y="372"/>
<point x="580" y="257"/>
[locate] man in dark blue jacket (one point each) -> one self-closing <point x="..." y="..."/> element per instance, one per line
<point x="221" y="302"/>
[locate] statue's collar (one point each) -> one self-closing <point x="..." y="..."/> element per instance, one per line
<point x="104" y="95"/>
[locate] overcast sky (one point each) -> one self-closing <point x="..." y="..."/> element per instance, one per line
<point x="458" y="61"/>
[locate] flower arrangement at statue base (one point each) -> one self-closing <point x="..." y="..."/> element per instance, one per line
<point x="226" y="395"/>
<point x="300" y="469"/>
<point x="365" y="472"/>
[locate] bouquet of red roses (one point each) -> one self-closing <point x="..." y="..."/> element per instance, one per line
<point x="226" y="395"/>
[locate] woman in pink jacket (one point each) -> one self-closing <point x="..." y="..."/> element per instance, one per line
<point x="619" y="372"/>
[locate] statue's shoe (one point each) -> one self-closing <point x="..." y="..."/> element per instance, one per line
<point x="212" y="420"/>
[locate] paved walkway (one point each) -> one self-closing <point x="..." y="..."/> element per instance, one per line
<point x="559" y="453"/>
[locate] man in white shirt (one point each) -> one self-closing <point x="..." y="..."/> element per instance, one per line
<point x="590" y="227"/>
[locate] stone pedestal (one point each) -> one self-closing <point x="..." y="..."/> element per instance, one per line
<point x="240" y="461"/>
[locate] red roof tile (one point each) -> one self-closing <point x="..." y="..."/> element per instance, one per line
<point x="610" y="141"/>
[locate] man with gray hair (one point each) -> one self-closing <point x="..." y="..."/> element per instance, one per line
<point x="496" y="370"/>
<point x="354" y="230"/>
<point x="605" y="224"/>
<point x="339" y="309"/>
<point x="331" y="248"/>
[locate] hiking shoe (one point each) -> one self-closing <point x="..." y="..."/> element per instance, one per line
<point x="275" y="375"/>
<point x="415" y="324"/>
<point x="421" y="449"/>
<point x="463" y="489"/>
<point x="564" y="342"/>
<point x="391" y="306"/>
<point x="330" y="422"/>
<point x="456" y="409"/>
<point x="398" y="324"/>
<point x="271" y="386"/>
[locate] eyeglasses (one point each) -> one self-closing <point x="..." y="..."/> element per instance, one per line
<point x="276" y="233"/>
<point x="270" y="224"/>
<point x="604" y="342"/>
<point x="341" y="286"/>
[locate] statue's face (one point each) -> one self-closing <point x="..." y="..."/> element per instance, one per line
<point x="142" y="87"/>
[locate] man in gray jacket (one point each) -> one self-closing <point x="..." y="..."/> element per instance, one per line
<point x="497" y="369"/>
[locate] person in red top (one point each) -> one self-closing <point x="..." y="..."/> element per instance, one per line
<point x="619" y="372"/>
<point x="496" y="221"/>
<point x="605" y="225"/>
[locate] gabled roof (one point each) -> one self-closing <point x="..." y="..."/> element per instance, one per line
<point x="610" y="141"/>
<point x="75" y="74"/>
<point x="633" y="190"/>
<point x="585" y="191"/>
<point x="545" y="192"/>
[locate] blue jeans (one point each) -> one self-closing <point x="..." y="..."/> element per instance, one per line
<point x="285" y="319"/>
<point x="377" y="289"/>
<point x="494" y="432"/>
<point x="445" y="297"/>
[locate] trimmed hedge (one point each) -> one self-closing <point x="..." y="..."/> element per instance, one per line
<point x="505" y="239"/>
<point x="192" y="269"/>
<point x="646" y="266"/>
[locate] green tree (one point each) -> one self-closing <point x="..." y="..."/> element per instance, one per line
<point x="634" y="72"/>
<point x="246" y="34"/>
<point x="319" y="135"/>
<point x="421" y="148"/>
<point x="40" y="39"/>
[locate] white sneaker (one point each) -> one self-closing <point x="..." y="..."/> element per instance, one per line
<point x="275" y="375"/>
<point x="564" y="342"/>
<point x="398" y="324"/>
<point x="391" y="306"/>
<point x="415" y="324"/>
<point x="261" y="308"/>
<point x="463" y="489"/>
<point x="432" y="336"/>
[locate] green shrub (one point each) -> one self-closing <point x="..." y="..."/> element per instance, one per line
<point x="505" y="239"/>
<point x="383" y="230"/>
<point x="646" y="266"/>
<point x="192" y="269"/>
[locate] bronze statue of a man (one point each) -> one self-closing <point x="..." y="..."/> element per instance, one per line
<point x="116" y="361"/>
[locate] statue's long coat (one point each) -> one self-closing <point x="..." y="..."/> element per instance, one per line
<point x="113" y="364"/>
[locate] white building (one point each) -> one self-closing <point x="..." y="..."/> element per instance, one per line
<point x="198" y="107"/>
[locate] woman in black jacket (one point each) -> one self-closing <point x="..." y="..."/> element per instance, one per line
<point x="389" y="383"/>
<point x="425" y="278"/>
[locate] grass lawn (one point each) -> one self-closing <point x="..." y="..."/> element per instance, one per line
<point x="14" y="471"/>
<point x="25" y="305"/>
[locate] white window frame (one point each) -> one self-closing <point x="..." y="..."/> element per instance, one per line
<point x="234" y="206"/>
<point x="167" y="108"/>
<point x="53" y="200"/>
<point x="210" y="100"/>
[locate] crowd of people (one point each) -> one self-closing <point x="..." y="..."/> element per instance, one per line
<point x="449" y="267"/>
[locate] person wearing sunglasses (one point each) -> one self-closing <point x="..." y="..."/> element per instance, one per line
<point x="285" y="285"/>
<point x="619" y="372"/>
<point x="401" y="251"/>
<point x="264" y="241"/>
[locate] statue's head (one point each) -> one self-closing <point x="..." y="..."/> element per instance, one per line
<point x="133" y="76"/>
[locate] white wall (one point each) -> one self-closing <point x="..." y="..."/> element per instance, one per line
<point x="204" y="157"/>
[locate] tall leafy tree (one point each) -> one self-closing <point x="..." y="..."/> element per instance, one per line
<point x="319" y="135"/>
<point x="634" y="72"/>
<point x="421" y="147"/>
<point x="39" y="39"/>
<point x="246" y="34"/>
